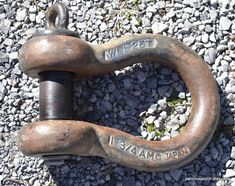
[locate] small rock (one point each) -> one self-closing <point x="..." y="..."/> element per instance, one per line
<point x="157" y="124"/>
<point x="214" y="2"/>
<point x="224" y="23"/>
<point x="65" y="169"/>
<point x="32" y="9"/>
<point x="132" y="101"/>
<point x="13" y="55"/>
<point x="152" y="108"/>
<point x="5" y="25"/>
<point x="141" y="77"/>
<point x="8" y="42"/>
<point x="30" y="32"/>
<point x="231" y="45"/>
<point x="182" y="95"/>
<point x="127" y="181"/>
<point x="163" y="114"/>
<point x="144" y="134"/>
<point x="150" y="119"/>
<point x="162" y="90"/>
<point x="103" y="27"/>
<point x="189" y="40"/>
<point x="3" y="57"/>
<point x="221" y="48"/>
<point x="208" y="29"/>
<point x="162" y="103"/>
<point x="81" y="25"/>
<point x="176" y="174"/>
<point x="180" y="109"/>
<point x="224" y="66"/>
<point x="151" y="9"/>
<point x="205" y="171"/>
<point x="212" y="37"/>
<point x="127" y="83"/>
<point x="158" y="27"/>
<point x="210" y="55"/>
<point x="205" y="38"/>
<point x="20" y="14"/>
<point x="232" y="155"/>
<point x="214" y="153"/>
<point x="36" y="183"/>
<point x="229" y="173"/>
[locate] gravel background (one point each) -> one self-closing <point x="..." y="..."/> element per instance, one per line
<point x="138" y="99"/>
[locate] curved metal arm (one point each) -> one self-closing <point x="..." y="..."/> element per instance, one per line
<point x="64" y="53"/>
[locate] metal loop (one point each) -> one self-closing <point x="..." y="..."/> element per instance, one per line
<point x="60" y="11"/>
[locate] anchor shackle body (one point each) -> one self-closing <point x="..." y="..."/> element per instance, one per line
<point x="64" y="53"/>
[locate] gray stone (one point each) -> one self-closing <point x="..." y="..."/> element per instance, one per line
<point x="189" y="40"/>
<point x="20" y="14"/>
<point x="162" y="103"/>
<point x="214" y="153"/>
<point x="127" y="83"/>
<point x="5" y="25"/>
<point x="176" y="174"/>
<point x="151" y="135"/>
<point x="36" y="183"/>
<point x="158" y="27"/>
<point x="180" y="109"/>
<point x="2" y="91"/>
<point x="163" y="114"/>
<point x="162" y="90"/>
<point x="224" y="23"/>
<point x="144" y="134"/>
<point x="182" y="95"/>
<point x="208" y="29"/>
<point x="146" y="22"/>
<point x="65" y="169"/>
<point x="8" y="42"/>
<point x="205" y="171"/>
<point x="182" y="119"/>
<point x="81" y="25"/>
<point x="157" y="124"/>
<point x="30" y="32"/>
<point x="13" y="55"/>
<point x="152" y="108"/>
<point x="232" y="155"/>
<point x="205" y="38"/>
<point x="32" y="9"/>
<point x="229" y="173"/>
<point x="150" y="119"/>
<point x="103" y="27"/>
<point x="214" y="2"/>
<point x="210" y="55"/>
<point x="224" y="66"/>
<point x="231" y="45"/>
<point x="230" y="88"/>
<point x="221" y="48"/>
<point x="151" y="9"/>
<point x="212" y="37"/>
<point x="141" y="76"/>
<point x="119" y="170"/>
<point x="132" y="101"/>
<point x="3" y="57"/>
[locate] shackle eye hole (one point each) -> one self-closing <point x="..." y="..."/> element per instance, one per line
<point x="57" y="17"/>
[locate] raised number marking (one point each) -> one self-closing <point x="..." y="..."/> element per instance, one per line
<point x="112" y="53"/>
<point x="144" y="153"/>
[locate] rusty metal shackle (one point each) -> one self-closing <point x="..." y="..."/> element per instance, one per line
<point x="59" y="58"/>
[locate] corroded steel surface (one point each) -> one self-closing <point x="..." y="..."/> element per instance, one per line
<point x="65" y="137"/>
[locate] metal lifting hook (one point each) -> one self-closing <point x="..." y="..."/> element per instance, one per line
<point x="58" y="56"/>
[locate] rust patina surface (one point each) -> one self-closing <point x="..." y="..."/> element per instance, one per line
<point x="56" y="53"/>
